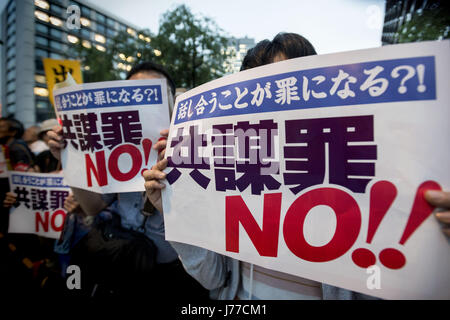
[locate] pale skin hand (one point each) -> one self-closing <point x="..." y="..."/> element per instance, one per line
<point x="10" y="199"/>
<point x="71" y="204"/>
<point x="56" y="141"/>
<point x="441" y="199"/>
<point x="152" y="177"/>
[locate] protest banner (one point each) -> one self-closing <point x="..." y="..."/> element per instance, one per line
<point x="317" y="166"/>
<point x="109" y="128"/>
<point x="39" y="208"/>
<point x="56" y="71"/>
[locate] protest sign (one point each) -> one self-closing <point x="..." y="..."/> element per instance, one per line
<point x="316" y="167"/>
<point x="109" y="128"/>
<point x="39" y="208"/>
<point x="56" y="71"/>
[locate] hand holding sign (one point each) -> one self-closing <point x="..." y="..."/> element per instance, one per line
<point x="441" y="199"/>
<point x="56" y="142"/>
<point x="152" y="185"/>
<point x="10" y="199"/>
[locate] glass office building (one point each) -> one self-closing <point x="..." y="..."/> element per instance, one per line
<point x="36" y="29"/>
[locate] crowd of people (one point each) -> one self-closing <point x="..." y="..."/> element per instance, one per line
<point x="118" y="240"/>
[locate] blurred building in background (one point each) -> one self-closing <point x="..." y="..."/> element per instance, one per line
<point x="238" y="47"/>
<point x="36" y="29"/>
<point x="415" y="20"/>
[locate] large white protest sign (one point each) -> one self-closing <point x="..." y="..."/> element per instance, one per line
<point x="110" y="128"/>
<point x="316" y="167"/>
<point x="39" y="208"/>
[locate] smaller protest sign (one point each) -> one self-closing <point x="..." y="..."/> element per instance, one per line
<point x="39" y="207"/>
<point x="109" y="128"/>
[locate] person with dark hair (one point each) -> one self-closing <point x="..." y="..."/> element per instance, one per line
<point x="145" y="70"/>
<point x="287" y="46"/>
<point x="152" y="70"/>
<point x="135" y="259"/>
<point x="16" y="150"/>
<point x="255" y="55"/>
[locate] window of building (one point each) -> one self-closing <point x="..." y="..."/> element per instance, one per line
<point x="85" y="11"/>
<point x="41" y="28"/>
<point x="11" y="18"/>
<point x="43" y="105"/>
<point x="42" y="4"/>
<point x="111" y="33"/>
<point x="111" y="23"/>
<point x="100" y="48"/>
<point x="41" y="16"/>
<point x="56" y="22"/>
<point x="42" y="41"/>
<point x="101" y="18"/>
<point x="55" y="55"/>
<point x="101" y="28"/>
<point x="56" y="33"/>
<point x="57" y="9"/>
<point x="39" y="65"/>
<point x="42" y="92"/>
<point x="11" y="29"/>
<point x="41" y="53"/>
<point x="10" y="98"/>
<point x="11" y="40"/>
<point x="11" y="63"/>
<point x="39" y="78"/>
<point x="11" y="7"/>
<point x="99" y="38"/>
<point x="11" y="52"/>
<point x="86" y="44"/>
<point x="11" y="75"/>
<point x="55" y="45"/>
<point x="85" y="22"/>
<point x="11" y="86"/>
<point x="85" y="33"/>
<point x="72" y="39"/>
<point x="11" y="108"/>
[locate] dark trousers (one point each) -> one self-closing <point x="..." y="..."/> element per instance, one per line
<point x="102" y="277"/>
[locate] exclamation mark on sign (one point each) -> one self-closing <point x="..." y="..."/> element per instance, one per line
<point x="382" y="196"/>
<point x="421" y="210"/>
<point x="420" y="74"/>
<point x="147" y="146"/>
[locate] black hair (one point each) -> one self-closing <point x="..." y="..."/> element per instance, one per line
<point x="148" y="66"/>
<point x="14" y="125"/>
<point x="255" y="55"/>
<point x="292" y="45"/>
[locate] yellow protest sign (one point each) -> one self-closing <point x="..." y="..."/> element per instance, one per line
<point x="56" y="72"/>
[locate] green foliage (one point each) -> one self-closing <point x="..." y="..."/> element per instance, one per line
<point x="191" y="48"/>
<point x="432" y="24"/>
<point x="96" y="65"/>
<point x="121" y="51"/>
